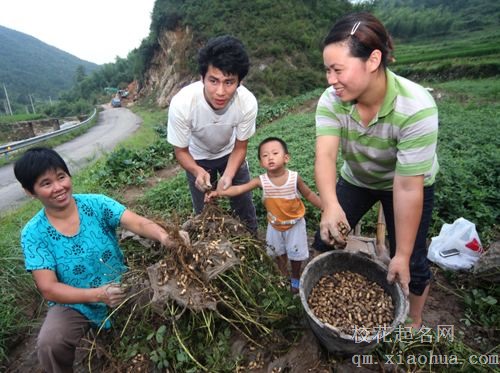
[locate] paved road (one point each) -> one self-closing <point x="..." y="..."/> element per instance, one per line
<point x="113" y="126"/>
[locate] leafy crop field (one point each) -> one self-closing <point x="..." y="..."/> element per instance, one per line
<point x="472" y="55"/>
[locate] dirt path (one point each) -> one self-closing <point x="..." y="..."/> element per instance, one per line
<point x="133" y="193"/>
<point x="113" y="126"/>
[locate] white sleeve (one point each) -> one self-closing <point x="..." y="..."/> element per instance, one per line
<point x="246" y="128"/>
<point x="178" y="126"/>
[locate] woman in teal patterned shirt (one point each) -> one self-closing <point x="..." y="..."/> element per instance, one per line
<point x="71" y="249"/>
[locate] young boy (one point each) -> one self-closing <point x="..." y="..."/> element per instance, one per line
<point x="286" y="235"/>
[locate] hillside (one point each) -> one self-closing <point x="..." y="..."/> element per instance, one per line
<point x="435" y="40"/>
<point x="29" y="66"/>
<point x="283" y="40"/>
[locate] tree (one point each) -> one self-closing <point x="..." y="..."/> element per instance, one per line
<point x="80" y="74"/>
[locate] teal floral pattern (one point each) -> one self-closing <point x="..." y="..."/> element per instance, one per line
<point x="89" y="259"/>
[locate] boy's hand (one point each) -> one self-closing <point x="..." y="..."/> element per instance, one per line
<point x="211" y="195"/>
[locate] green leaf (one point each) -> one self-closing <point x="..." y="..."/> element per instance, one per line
<point x="181" y="356"/>
<point x="489" y="300"/>
<point x="160" y="333"/>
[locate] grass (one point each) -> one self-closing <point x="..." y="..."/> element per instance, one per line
<point x="9" y="119"/>
<point x="466" y="186"/>
<point x="15" y="283"/>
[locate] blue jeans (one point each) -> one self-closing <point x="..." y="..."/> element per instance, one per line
<point x="242" y="205"/>
<point x="356" y="202"/>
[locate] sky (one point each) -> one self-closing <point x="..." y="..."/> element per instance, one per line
<point x="93" y="30"/>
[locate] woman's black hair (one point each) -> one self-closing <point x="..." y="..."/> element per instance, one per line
<point x="34" y="163"/>
<point x="226" y="53"/>
<point x="363" y="33"/>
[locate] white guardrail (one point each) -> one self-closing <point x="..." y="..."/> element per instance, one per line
<point x="16" y="145"/>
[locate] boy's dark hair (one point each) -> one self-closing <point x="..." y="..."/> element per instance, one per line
<point x="269" y="139"/>
<point x="225" y="53"/>
<point x="34" y="163"/>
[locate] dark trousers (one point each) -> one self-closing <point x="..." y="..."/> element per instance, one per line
<point x="242" y="205"/>
<point x="356" y="202"/>
<point x="59" y="336"/>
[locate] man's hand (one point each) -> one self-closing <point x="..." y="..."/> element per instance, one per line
<point x="399" y="270"/>
<point x="202" y="182"/>
<point x="112" y="295"/>
<point x="224" y="183"/>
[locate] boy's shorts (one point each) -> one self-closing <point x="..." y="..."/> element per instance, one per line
<point x="292" y="242"/>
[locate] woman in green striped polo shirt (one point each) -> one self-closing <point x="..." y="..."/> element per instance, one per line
<point x="386" y="129"/>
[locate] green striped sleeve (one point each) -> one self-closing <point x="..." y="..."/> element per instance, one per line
<point x="418" y="142"/>
<point x="328" y="131"/>
<point x="421" y="115"/>
<point x="413" y="169"/>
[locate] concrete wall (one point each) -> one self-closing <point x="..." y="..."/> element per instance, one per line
<point x="25" y="130"/>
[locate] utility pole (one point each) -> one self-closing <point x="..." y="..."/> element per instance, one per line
<point x="32" y="106"/>
<point x="7" y="97"/>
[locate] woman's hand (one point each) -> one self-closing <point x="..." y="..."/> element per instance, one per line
<point x="185" y="237"/>
<point x="112" y="294"/>
<point x="168" y="242"/>
<point x="399" y="270"/>
<point x="332" y="220"/>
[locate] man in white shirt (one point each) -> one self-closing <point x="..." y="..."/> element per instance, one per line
<point x="210" y="122"/>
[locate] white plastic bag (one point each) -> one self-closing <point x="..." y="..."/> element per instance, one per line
<point x="462" y="236"/>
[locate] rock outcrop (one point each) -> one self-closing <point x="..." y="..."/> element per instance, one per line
<point x="169" y="71"/>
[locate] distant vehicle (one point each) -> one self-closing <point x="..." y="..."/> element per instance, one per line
<point x="123" y="93"/>
<point x="116" y="102"/>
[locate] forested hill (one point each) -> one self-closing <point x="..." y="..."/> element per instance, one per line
<point x="283" y="37"/>
<point x="29" y="66"/>
<point x="434" y="39"/>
